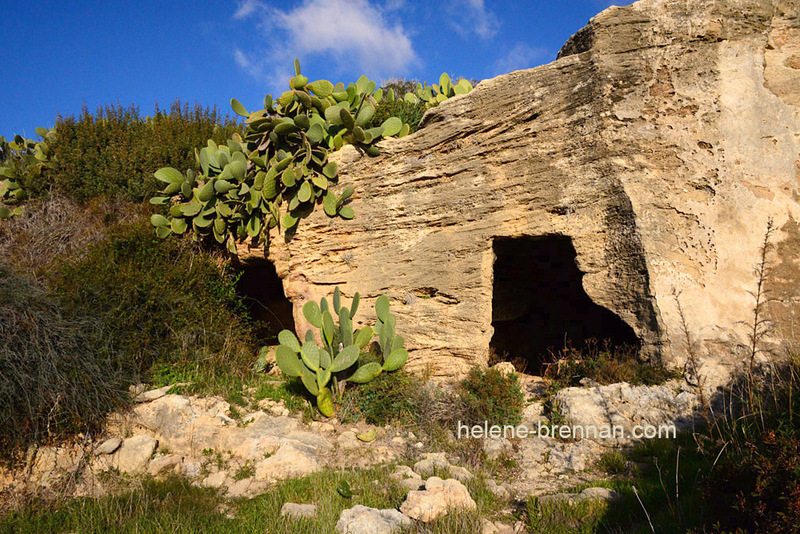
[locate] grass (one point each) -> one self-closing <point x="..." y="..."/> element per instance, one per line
<point x="235" y="386"/>
<point x="173" y="505"/>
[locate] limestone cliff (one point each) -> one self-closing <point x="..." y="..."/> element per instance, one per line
<point x="657" y="145"/>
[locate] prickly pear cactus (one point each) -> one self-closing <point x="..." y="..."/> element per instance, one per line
<point x="19" y="158"/>
<point x="434" y="94"/>
<point x="323" y="370"/>
<point x="278" y="171"/>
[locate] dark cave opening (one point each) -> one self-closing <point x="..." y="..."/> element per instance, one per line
<point x="539" y="306"/>
<point x="262" y="291"/>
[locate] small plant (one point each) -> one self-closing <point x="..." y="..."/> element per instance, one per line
<point x="493" y="396"/>
<point x="318" y="367"/>
<point x="245" y="470"/>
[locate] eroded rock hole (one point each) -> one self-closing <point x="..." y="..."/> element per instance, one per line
<point x="539" y="306"/>
<point x="266" y="303"/>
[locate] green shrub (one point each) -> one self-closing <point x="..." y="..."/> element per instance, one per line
<point x="388" y="398"/>
<point x="159" y="301"/>
<point x="493" y="396"/>
<point x="57" y="372"/>
<point x="115" y="151"/>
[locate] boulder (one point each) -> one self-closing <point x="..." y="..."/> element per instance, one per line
<point x="363" y="520"/>
<point x="438" y="497"/>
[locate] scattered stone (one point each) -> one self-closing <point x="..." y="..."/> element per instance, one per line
<point x="496" y="528"/>
<point x="164" y="464"/>
<point x="322" y="426"/>
<point x="109" y="446"/>
<point x="135" y="453"/>
<point x="461" y="474"/>
<point x="363" y="520"/>
<point x="430" y="463"/>
<point x="215" y="480"/>
<point x="497" y="490"/>
<point x="292" y="459"/>
<point x="495" y="448"/>
<point x="436" y="499"/>
<point x="398" y="441"/>
<point x="296" y="511"/>
<point x="602" y="494"/>
<point x="348" y="440"/>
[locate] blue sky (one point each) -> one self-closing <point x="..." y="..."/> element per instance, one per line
<point x="58" y="56"/>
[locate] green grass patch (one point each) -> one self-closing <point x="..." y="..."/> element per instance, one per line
<point x="175" y="506"/>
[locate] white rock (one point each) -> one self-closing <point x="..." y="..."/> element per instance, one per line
<point x="461" y="474"/>
<point x="430" y="463"/>
<point x="363" y="520"/>
<point x="348" y="440"/>
<point x="292" y="459"/>
<point x="109" y="446"/>
<point x="135" y="453"/>
<point x="215" y="480"/>
<point x="497" y="490"/>
<point x="438" y="497"/>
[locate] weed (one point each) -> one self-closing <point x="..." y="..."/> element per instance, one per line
<point x="244" y="471"/>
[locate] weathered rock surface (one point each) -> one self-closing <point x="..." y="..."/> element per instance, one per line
<point x="438" y="497"/>
<point x="660" y="143"/>
<point x="363" y="520"/>
<point x="631" y="409"/>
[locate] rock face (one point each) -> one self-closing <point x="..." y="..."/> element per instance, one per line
<point x="624" y="409"/>
<point x="648" y="157"/>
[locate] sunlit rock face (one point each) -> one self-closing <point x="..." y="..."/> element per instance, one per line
<point x="636" y="174"/>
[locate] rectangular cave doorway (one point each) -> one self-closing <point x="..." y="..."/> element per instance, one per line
<point x="539" y="306"/>
<point x="262" y="292"/>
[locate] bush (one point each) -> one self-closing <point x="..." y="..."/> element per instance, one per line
<point x="57" y="371"/>
<point x="115" y="152"/>
<point x="493" y="396"/>
<point x="159" y="300"/>
<point x="387" y="398"/>
<point x="57" y="229"/>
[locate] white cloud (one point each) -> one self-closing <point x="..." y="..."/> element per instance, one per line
<point x="247" y="8"/>
<point x="468" y="17"/>
<point x="521" y="56"/>
<point x="350" y="32"/>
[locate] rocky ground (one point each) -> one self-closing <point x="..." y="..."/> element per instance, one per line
<point x="244" y="451"/>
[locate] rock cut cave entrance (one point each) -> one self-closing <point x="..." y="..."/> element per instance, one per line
<point x="539" y="306"/>
<point x="262" y="291"/>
